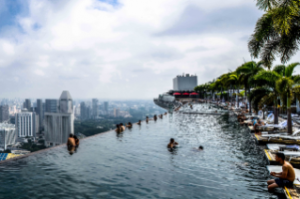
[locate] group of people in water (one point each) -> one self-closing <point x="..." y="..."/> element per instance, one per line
<point x="121" y="127"/>
<point x="72" y="143"/>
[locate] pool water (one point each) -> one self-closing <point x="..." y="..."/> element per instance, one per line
<point x="137" y="163"/>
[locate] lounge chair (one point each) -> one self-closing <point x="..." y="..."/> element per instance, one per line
<point x="294" y="136"/>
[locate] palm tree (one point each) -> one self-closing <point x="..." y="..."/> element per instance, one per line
<point x="285" y="85"/>
<point x="277" y="31"/>
<point x="234" y="78"/>
<point x="247" y="71"/>
<point x="266" y="92"/>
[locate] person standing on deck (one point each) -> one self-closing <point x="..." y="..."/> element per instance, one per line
<point x="284" y="178"/>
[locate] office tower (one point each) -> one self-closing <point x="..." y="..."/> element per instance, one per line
<point x="116" y="112"/>
<point x="106" y="107"/>
<point x="7" y="135"/>
<point x="65" y="103"/>
<point x="95" y="106"/>
<point x="27" y="104"/>
<point x="40" y="111"/>
<point x="185" y="82"/>
<point x="4" y="113"/>
<point x="59" y="125"/>
<point x="83" y="112"/>
<point x="26" y="123"/>
<point x="51" y="105"/>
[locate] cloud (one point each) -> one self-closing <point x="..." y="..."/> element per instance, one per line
<point x="119" y="49"/>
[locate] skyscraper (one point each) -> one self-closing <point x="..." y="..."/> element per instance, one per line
<point x="106" y="107"/>
<point x="4" y="113"/>
<point x="7" y="135"/>
<point x="51" y="105"/>
<point x="59" y="125"/>
<point x="40" y="111"/>
<point x="26" y="124"/>
<point x="27" y="104"/>
<point x="83" y="115"/>
<point x="95" y="106"/>
<point x="116" y="112"/>
<point x="65" y="103"/>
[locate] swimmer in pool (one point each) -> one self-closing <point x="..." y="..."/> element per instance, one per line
<point x="122" y="127"/>
<point x="155" y="117"/>
<point x="147" y="119"/>
<point x="71" y="145"/>
<point x="118" y="128"/>
<point x="201" y="148"/>
<point x="71" y="141"/>
<point x="139" y="123"/>
<point x="172" y="143"/>
<point x="76" y="141"/>
<point x="166" y="113"/>
<point x="129" y="125"/>
<point x="160" y="116"/>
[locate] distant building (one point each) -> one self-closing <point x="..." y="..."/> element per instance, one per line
<point x="116" y="112"/>
<point x="40" y="111"/>
<point x="59" y="125"/>
<point x="95" y="107"/>
<point x="185" y="82"/>
<point x="51" y="105"/>
<point x="27" y="104"/>
<point x="4" y="113"/>
<point x="7" y="135"/>
<point x="106" y="107"/>
<point x="26" y="124"/>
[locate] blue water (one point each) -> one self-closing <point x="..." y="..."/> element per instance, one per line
<point x="137" y="164"/>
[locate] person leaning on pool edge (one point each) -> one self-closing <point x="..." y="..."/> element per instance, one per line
<point x="286" y="177"/>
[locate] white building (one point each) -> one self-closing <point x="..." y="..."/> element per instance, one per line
<point x="26" y="124"/>
<point x="59" y="125"/>
<point x="185" y="82"/>
<point x="7" y="135"/>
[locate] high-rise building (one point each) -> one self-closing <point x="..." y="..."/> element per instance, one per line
<point x="4" y="113"/>
<point x="7" y="135"/>
<point x="65" y="103"/>
<point x="27" y="104"/>
<point x="51" y="105"/>
<point x="40" y="111"/>
<point x="185" y="82"/>
<point x="59" y="125"/>
<point x="83" y="112"/>
<point x="95" y="107"/>
<point x="116" y="112"/>
<point x="106" y="107"/>
<point x="26" y="124"/>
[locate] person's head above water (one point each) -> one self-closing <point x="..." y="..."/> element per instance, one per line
<point x="172" y="140"/>
<point x="121" y="124"/>
<point x="200" y="147"/>
<point x="117" y="125"/>
<point x="75" y="137"/>
<point x="71" y="136"/>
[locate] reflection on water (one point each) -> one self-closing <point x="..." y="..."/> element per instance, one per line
<point x="140" y="166"/>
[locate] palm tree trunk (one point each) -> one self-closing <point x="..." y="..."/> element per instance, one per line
<point x="275" y="112"/>
<point x="289" y="120"/>
<point x="250" y="107"/>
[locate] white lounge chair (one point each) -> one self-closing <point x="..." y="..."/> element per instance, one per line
<point x="294" y="136"/>
<point x="282" y="125"/>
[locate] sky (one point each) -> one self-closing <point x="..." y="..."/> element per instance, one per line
<point x="118" y="49"/>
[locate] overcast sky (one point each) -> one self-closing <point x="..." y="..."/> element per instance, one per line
<point x="118" y="49"/>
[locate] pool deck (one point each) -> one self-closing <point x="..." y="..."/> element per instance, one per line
<point x="290" y="193"/>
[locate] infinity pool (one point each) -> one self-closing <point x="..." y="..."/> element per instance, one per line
<point x="137" y="164"/>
